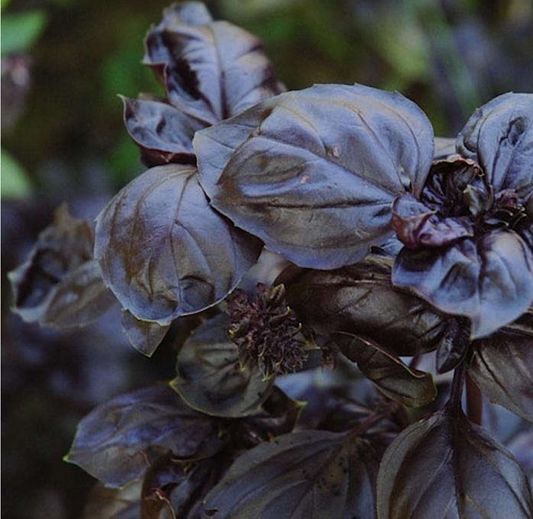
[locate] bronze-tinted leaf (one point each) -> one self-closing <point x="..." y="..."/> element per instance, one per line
<point x="60" y="284"/>
<point x="314" y="173"/>
<point x="210" y="377"/>
<point x="488" y="279"/>
<point x="299" y="475"/>
<point x="164" y="251"/>
<point x="211" y="70"/>
<point x="446" y="467"/>
<point x="391" y="376"/>
<point x="502" y="366"/>
<point x="115" y="442"/>
<point x="361" y="300"/>
<point x="163" y="133"/>
<point x="499" y="137"/>
<point x="144" y="336"/>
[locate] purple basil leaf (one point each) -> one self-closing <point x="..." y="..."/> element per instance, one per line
<point x="114" y="503"/>
<point x="361" y="300"/>
<point x="410" y="387"/>
<point x="210" y="377"/>
<point x="502" y="366"/>
<point x="453" y="346"/>
<point x="488" y="279"/>
<point x="418" y="226"/>
<point x="163" y="133"/>
<point x="60" y="284"/>
<point x="445" y="466"/>
<point x="114" y="442"/>
<point x="300" y="475"/>
<point x="144" y="336"/>
<point x="499" y="137"/>
<point x="314" y="173"/>
<point x="164" y="251"/>
<point x="211" y="70"/>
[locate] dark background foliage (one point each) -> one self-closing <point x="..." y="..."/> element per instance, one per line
<point x="63" y="139"/>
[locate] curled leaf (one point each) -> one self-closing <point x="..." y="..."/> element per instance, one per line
<point x="410" y="387"/>
<point x="164" y="252"/>
<point x="210" y="377"/>
<point x="299" y="475"/>
<point x="445" y="466"/>
<point x="211" y="70"/>
<point x="488" y="279"/>
<point x="60" y="284"/>
<point x="116" y="441"/>
<point x="314" y="173"/>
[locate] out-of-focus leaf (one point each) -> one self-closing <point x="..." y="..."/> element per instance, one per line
<point x="314" y="173"/>
<point x="144" y="336"/>
<point x="114" y="503"/>
<point x="15" y="183"/>
<point x="499" y="137"/>
<point x="164" y="252"/>
<point x="117" y="440"/>
<point x="21" y="30"/>
<point x="60" y="284"/>
<point x="392" y="377"/>
<point x="211" y="70"/>
<point x="361" y="300"/>
<point x="489" y="279"/>
<point x="444" y="147"/>
<point x="299" y="475"/>
<point x="502" y="366"/>
<point x="445" y="466"/>
<point x="210" y="377"/>
<point x="163" y="133"/>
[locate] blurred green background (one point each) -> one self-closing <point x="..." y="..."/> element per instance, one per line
<point x="64" y="61"/>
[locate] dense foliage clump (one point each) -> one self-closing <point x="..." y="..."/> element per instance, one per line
<point x="320" y="237"/>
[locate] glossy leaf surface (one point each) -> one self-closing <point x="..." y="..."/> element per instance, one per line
<point x="446" y="467"/>
<point x="60" y="284"/>
<point x="314" y="173"/>
<point x="392" y="377"/>
<point x="489" y="280"/>
<point x="144" y="336"/>
<point x="210" y="377"/>
<point x="115" y="441"/>
<point x="211" y="70"/>
<point x="164" y="251"/>
<point x="502" y="366"/>
<point x="361" y="300"/>
<point x="300" y="475"/>
<point x="499" y="137"/>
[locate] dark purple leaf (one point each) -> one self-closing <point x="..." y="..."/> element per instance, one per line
<point x="488" y="279"/>
<point x="299" y="475"/>
<point x="391" y="376"/>
<point x="499" y="137"/>
<point x="453" y="346"/>
<point x="445" y="466"/>
<point x="210" y="377"/>
<point x="115" y="441"/>
<point x="361" y="300"/>
<point x="211" y="70"/>
<point x="164" y="251"/>
<point x="144" y="336"/>
<point x="314" y="173"/>
<point x="502" y="366"/>
<point x="163" y="133"/>
<point x="60" y="284"/>
<point x="418" y="226"/>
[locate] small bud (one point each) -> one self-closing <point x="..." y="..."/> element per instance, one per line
<point x="267" y="331"/>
